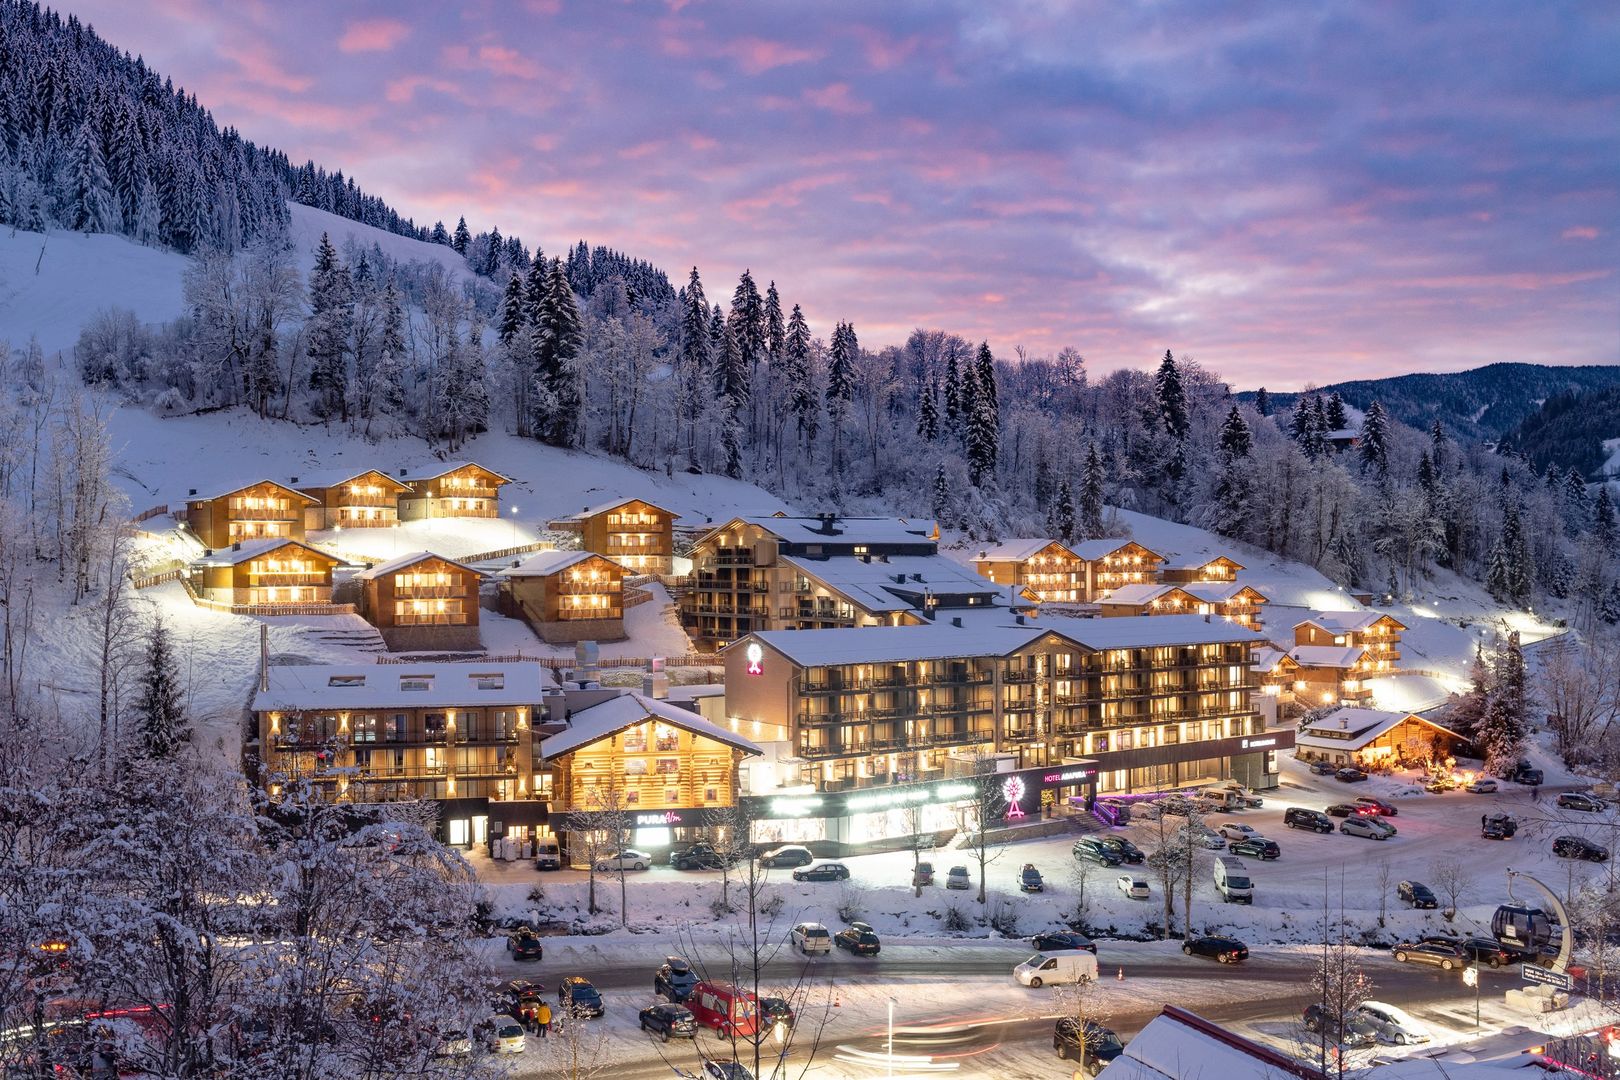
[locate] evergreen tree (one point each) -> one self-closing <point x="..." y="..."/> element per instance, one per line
<point x="1172" y="397"/>
<point x="389" y="393"/>
<point x="953" y="388"/>
<point x="731" y="373"/>
<point x="462" y="237"/>
<point x="1428" y="478"/>
<point x="1045" y="484"/>
<point x="1064" y="516"/>
<point x="91" y="204"/>
<point x="1468" y="710"/>
<point x="1228" y="512"/>
<point x="1091" y="495"/>
<point x="985" y="377"/>
<point x="928" y="413"/>
<point x="513" y="320"/>
<point x="840" y="385"/>
<point x="1437" y="438"/>
<point x="1337" y="419"/>
<point x="747" y="325"/>
<point x="1604" y="531"/>
<point x="1576" y="505"/>
<point x="1503" y="727"/>
<point x="327" y="331"/>
<point x="557" y="336"/>
<point x="982" y="435"/>
<point x="1235" y="438"/>
<point x="148" y="224"/>
<point x="1316" y="439"/>
<point x="775" y="326"/>
<point x="1509" y="574"/>
<point x="1262" y="402"/>
<point x="801" y="388"/>
<point x="1299" y="425"/>
<point x="159" y="711"/>
<point x="942" y="494"/>
<point x="692" y="361"/>
<point x="439" y="235"/>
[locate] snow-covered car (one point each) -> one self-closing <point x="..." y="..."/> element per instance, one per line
<point x="525" y="945"/>
<point x="726" y="1070"/>
<point x="1132" y="886"/>
<point x="505" y="1035"/>
<point x="1579" y="800"/>
<point x="790" y="856"/>
<point x="810" y="938"/>
<point x="1349" y="775"/>
<point x="1236" y="830"/>
<point x="453" y="1042"/>
<point x="1393" y="1025"/>
<point x="1369" y="828"/>
<point x="629" y="859"/>
<point x="1208" y="837"/>
<point x="1483" y="786"/>
<point x="957" y="878"/>
<point x="1575" y="847"/>
<point x="1029" y="879"/>
<point x="674" y="980"/>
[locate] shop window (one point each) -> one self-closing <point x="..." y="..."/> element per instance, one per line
<point x="711" y="795"/>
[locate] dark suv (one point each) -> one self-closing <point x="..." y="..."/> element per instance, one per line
<point x="1480" y="950"/>
<point x="1417" y="894"/>
<point x="1092" y="849"/>
<point x="1579" y="800"/>
<point x="700" y="857"/>
<point x="1087" y="1042"/>
<point x="1297" y="817"/>
<point x="1358" y="1032"/>
<point x="1257" y="846"/>
<point x="1058" y="941"/>
<point x="1573" y="847"/>
<point x="1127" y="851"/>
<point x="675" y="979"/>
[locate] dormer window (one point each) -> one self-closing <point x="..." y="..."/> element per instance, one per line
<point x="415" y="683"/>
<point x="346" y="680"/>
<point x="496" y="681"/>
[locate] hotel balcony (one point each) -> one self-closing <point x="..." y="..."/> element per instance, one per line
<point x="265" y="513"/>
<point x="448" y="491"/>
<point x="276" y="581"/>
<point x="380" y="501"/>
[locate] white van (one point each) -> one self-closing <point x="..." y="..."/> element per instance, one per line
<point x="547" y="855"/>
<point x="1232" y="880"/>
<point x="810" y="939"/>
<point x="1058" y="968"/>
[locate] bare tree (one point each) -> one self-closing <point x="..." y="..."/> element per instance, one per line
<point x="593" y="833"/>
<point x="610" y="821"/>
<point x="1581" y="685"/>
<point x="1081" y="872"/>
<point x="1453" y="877"/>
<point x="1340" y="985"/>
<point x="990" y="803"/>
<point x="1083" y="1004"/>
<point x="1169" y="860"/>
<point x="1384" y="871"/>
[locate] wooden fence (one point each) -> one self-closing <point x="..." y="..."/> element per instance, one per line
<point x="634" y="597"/>
<point x="149" y="580"/>
<point x="149" y="513"/>
<point x="312" y="608"/>
<point x="507" y="553"/>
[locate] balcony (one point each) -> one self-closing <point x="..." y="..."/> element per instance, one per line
<point x="468" y="491"/>
<point x="381" y="502"/>
<point x="734" y="557"/>
<point x="293" y="581"/>
<point x="265" y="513"/>
<point x="727" y="609"/>
<point x="427" y="592"/>
<point x="1020" y="675"/>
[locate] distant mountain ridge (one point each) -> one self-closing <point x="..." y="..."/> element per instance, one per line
<point x="1484" y="403"/>
<point x="1568" y="431"/>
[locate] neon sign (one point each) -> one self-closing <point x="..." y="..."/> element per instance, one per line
<point x="756" y="658"/>
<point x="1013" y="792"/>
<point x="668" y="817"/>
<point x="1068" y="774"/>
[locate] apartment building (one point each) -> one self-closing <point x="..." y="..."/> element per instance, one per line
<point x="264" y="574"/>
<point x="1043" y="570"/>
<point x="422" y="601"/>
<point x="1378" y="633"/>
<point x="566" y="596"/>
<point x="351" y="499"/>
<point x="451" y="489"/>
<point x="634" y="533"/>
<point x="456" y="733"/>
<point x="1149" y="701"/>
<point x="264" y="510"/>
<point x="1239" y="603"/>
<point x="1114" y="563"/>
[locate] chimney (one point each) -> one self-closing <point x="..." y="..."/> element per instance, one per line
<point x="583" y="509"/>
<point x="403" y="472"/>
<point x="1019" y="619"/>
<point x="1206" y="616"/>
<point x="193" y="491"/>
<point x="916" y="577"/>
<point x="264" y="656"/>
<point x="237" y="546"/>
<point x="294" y="480"/>
<point x="899" y="579"/>
<point x="984" y="553"/>
<point x="957" y="622"/>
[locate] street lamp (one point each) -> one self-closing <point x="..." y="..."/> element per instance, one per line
<point x="1471" y="978"/>
<point x="891" y="1038"/>
<point x="514" y="527"/>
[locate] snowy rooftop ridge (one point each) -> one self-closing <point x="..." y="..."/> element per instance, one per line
<point x="546" y="563"/>
<point x="243" y="550"/>
<point x="615" y="714"/>
<point x="1016" y="550"/>
<point x="202" y="494"/>
<point x="841" y="530"/>
<point x="1178" y="1044"/>
<point x="1322" y="656"/>
<point x="410" y="558"/>
<point x="436" y="469"/>
<point x="1345" y="622"/>
<point x="602" y="508"/>
<point x="297" y="687"/>
<point x="1351" y="728"/>
<point x="1092" y="550"/>
<point x="329" y="478"/>
<point x="886" y="583"/>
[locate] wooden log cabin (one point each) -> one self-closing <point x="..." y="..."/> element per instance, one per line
<point x="566" y="596"/>
<point x="1378" y="633"/>
<point x="455" y="489"/>
<point x="1219" y="569"/>
<point x="637" y="534"/>
<point x="1113" y="563"/>
<point x="660" y="766"/>
<point x="259" y="511"/>
<point x="422" y="601"/>
<point x="1047" y="571"/>
<point x="1239" y="603"/>
<point x="345" y="499"/>
<point x="264" y="573"/>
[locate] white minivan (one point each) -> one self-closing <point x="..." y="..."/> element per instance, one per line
<point x="547" y="855"/>
<point x="1232" y="880"/>
<point x="1058" y="968"/>
<point x="810" y="938"/>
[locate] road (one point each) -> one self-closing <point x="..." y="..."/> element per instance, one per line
<point x="1269" y="991"/>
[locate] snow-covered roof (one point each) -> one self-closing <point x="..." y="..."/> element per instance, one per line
<point x="1092" y="550"/>
<point x="845" y="530"/>
<point x="602" y="508"/>
<point x="615" y="714"/>
<point x="546" y="563"/>
<point x="330" y="478"/>
<point x="400" y="562"/>
<point x="873" y="585"/>
<point x="1016" y="550"/>
<point x="1199" y="563"/>
<point x="244" y="550"/>
<point x="1212" y="592"/>
<point x="1327" y="656"/>
<point x="296" y="687"/>
<point x="1141" y="594"/>
<point x="1268" y="656"/>
<point x="1351" y="728"/>
<point x="220" y="493"/>
<point x="1180" y="1045"/>
<point x="1346" y="622"/>
<point x="1343" y="434"/>
<point x="436" y="469"/>
<point x="1147" y="631"/>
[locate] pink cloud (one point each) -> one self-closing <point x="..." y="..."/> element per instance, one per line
<point x="757" y="55"/>
<point x="1580" y="232"/>
<point x="837" y="98"/>
<point x="496" y="59"/>
<point x="641" y="150"/>
<point x="259" y="65"/>
<point x="883" y="52"/>
<point x="401" y="91"/>
<point x="373" y="35"/>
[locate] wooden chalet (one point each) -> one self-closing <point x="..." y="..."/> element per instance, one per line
<point x="1378" y="633"/>
<point x="1112" y="564"/>
<point x="636" y="534"/>
<point x="367" y="499"/>
<point x="451" y="490"/>
<point x="422" y="601"/>
<point x="1219" y="569"/>
<point x="259" y="511"/>
<point x="264" y="573"/>
<point x="566" y="596"/>
<point x="1045" y="570"/>
<point x="1352" y="736"/>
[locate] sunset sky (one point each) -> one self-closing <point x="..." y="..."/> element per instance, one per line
<point x="1302" y="193"/>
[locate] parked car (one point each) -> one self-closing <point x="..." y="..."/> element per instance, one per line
<point x="1323" y="768"/>
<point x="1353" y="1031"/>
<point x="1498" y="826"/>
<point x="579" y="997"/>
<point x="810" y="939"/>
<point x="1441" y="955"/>
<point x="1483" y="786"/>
<point x="629" y="859"/>
<point x="1346" y="809"/>
<point x="1574" y="847"/>
<point x="1391" y="1024"/>
<point x="1224" y="949"/>
<point x="1057" y="969"/>
<point x="860" y="939"/>
<point x="1350" y="775"/>
<point x="1092" y="849"/>
<point x="1258" y="846"/>
<point x="1480" y="950"/>
<point x="669" y="1021"/>
<point x="789" y="856"/>
<point x="1579" y="800"/>
<point x="777" y="1013"/>
<point x="520" y="998"/>
<point x="827" y="871"/>
<point x="1133" y="886"/>
<point x="1236" y="830"/>
<point x="1247" y="797"/>
<point x="1297" y="817"/>
<point x="726" y="1070"/>
<point x="1029" y="879"/>
<point x="1370" y="828"/>
<point x="674" y="979"/>
<point x="1439" y="785"/>
<point x="923" y="875"/>
<point x="525" y="945"/>
<point x="503" y="1035"/>
<point x="547" y="854"/>
<point x="1417" y="894"/>
<point x="1377" y="806"/>
<point x="1087" y="1042"/>
<point x="1209" y="838"/>
<point x="701" y="856"/>
<point x="453" y="1042"/>
<point x="1128" y="852"/>
<point x="957" y="878"/>
<point x="726" y="1008"/>
<point x="1522" y="772"/>
<point x="1059" y="941"/>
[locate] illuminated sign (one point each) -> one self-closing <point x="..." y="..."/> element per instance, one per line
<point x="756" y="658"/>
<point x="1255" y="744"/>
<point x="665" y="817"/>
<point x="1067" y="775"/>
<point x="790" y="807"/>
<point x="884" y="800"/>
<point x="1012" y="790"/>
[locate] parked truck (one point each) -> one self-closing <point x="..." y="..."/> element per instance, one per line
<point x="1232" y="880"/>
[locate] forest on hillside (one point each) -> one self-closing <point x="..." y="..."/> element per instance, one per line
<point x="1568" y="431"/>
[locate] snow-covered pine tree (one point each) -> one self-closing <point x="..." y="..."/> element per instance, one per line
<point x="160" y="714"/>
<point x="953" y="388"/>
<point x="942" y="495"/>
<point x="928" y="413"/>
<point x="982" y="418"/>
<point x="1505" y="724"/>
<point x="1063" y="516"/>
<point x="1229" y="509"/>
<point x="1577" y="507"/>
<point x="1299" y="425"/>
<point x="1262" y="402"/>
<point x="439" y="234"/>
<point x="985" y="377"/>
<point x="1091" y="495"/>
<point x="557" y="336"/>
<point x="513" y="334"/>
<point x="1172" y="397"/>
<point x="327" y="330"/>
<point x="91" y="205"/>
<point x="731" y="370"/>
<point x="1337" y="418"/>
<point x="1045" y="481"/>
<point x="775" y="325"/>
<point x="1466" y="712"/>
<point x="1373" y="447"/>
<point x="692" y="360"/>
<point x="148" y="223"/>
<point x="461" y="238"/>
<point x="1235" y="439"/>
<point x="801" y="390"/>
<point x="840" y="387"/>
<point x="388" y="396"/>
<point x="1604" y="531"/>
<point x="1316" y="438"/>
